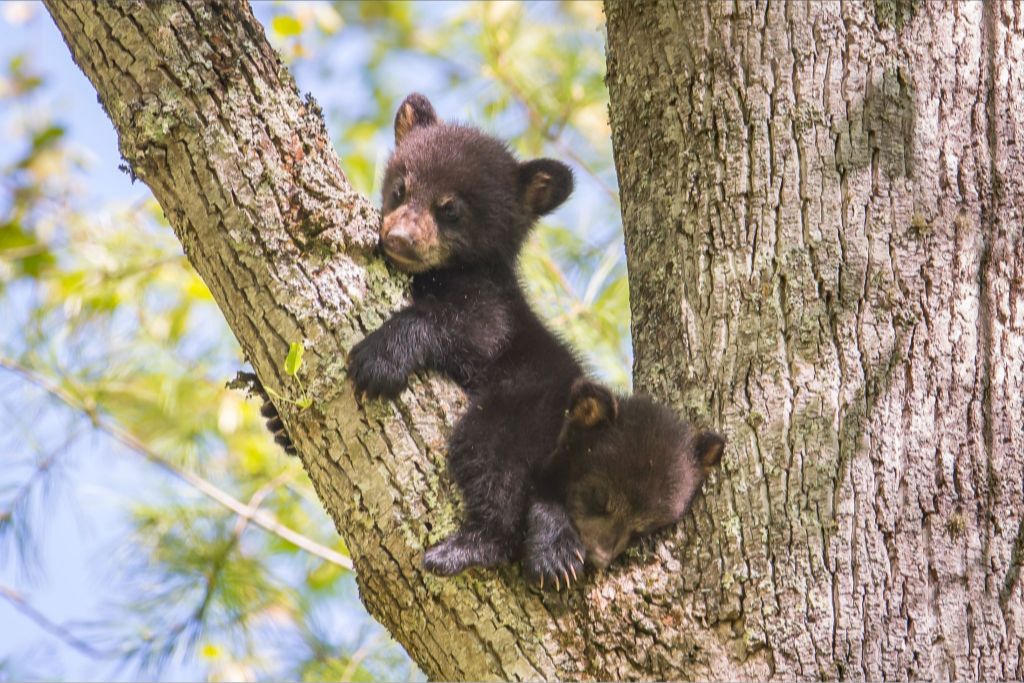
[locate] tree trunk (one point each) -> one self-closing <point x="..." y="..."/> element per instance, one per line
<point x="823" y="215"/>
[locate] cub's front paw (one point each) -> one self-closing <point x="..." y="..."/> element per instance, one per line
<point x="558" y="563"/>
<point x="554" y="553"/>
<point x="373" y="369"/>
<point x="465" y="549"/>
<point x="449" y="557"/>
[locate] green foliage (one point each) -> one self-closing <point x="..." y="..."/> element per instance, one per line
<point x="112" y="347"/>
<point x="103" y="311"/>
<point x="292" y="363"/>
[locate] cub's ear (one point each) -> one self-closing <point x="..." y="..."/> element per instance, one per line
<point x="590" y="404"/>
<point x="707" y="449"/>
<point x="415" y="111"/>
<point x="544" y="184"/>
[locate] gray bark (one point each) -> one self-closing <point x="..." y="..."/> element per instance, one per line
<point x="828" y="199"/>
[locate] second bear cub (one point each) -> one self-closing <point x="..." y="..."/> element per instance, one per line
<point x="623" y="467"/>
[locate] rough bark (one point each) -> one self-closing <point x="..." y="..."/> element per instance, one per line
<point x="244" y="169"/>
<point x="828" y="199"/>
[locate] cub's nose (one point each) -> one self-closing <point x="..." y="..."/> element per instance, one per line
<point x="398" y="243"/>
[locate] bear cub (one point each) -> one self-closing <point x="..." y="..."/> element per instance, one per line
<point x="457" y="207"/>
<point x="553" y="468"/>
<point x="623" y="467"/>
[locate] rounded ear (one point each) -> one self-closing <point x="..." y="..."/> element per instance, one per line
<point x="707" y="449"/>
<point x="590" y="404"/>
<point x="414" y="111"/>
<point x="544" y="184"/>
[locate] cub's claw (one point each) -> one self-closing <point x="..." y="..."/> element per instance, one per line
<point x="275" y="425"/>
<point x="558" y="563"/>
<point x="553" y="549"/>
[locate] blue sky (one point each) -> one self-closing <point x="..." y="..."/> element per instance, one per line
<point x="75" y="548"/>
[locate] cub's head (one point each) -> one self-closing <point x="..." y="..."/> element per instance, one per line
<point x="631" y="465"/>
<point x="455" y="196"/>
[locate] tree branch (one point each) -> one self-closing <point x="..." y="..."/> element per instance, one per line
<point x="20" y="603"/>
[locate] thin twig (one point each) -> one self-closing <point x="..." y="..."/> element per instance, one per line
<point x="260" y="518"/>
<point x="257" y="499"/>
<point x="41" y="468"/>
<point x="539" y="121"/>
<point x="358" y="656"/>
<point x="19" y="603"/>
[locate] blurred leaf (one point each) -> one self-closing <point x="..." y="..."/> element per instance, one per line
<point x="324" y="575"/>
<point x="286" y="25"/>
<point x="47" y="136"/>
<point x="12" y="236"/>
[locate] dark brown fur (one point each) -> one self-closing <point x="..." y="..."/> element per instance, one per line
<point x="625" y="467"/>
<point x="457" y="207"/>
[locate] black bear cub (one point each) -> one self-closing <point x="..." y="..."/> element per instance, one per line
<point x="457" y="208"/>
<point x="622" y="468"/>
<point x="539" y="448"/>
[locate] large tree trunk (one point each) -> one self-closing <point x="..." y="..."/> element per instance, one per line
<point x="823" y="214"/>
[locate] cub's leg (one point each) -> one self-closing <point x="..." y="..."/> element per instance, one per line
<point x="486" y="462"/>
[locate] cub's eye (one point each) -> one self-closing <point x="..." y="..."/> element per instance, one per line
<point x="398" y="191"/>
<point x="448" y="211"/>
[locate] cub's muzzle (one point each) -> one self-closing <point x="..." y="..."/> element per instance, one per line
<point x="409" y="237"/>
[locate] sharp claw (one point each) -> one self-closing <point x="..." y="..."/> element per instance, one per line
<point x="580" y="556"/>
<point x="558" y="587"/>
<point x="574" y="577"/>
<point x="566" y="575"/>
<point x="542" y="582"/>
